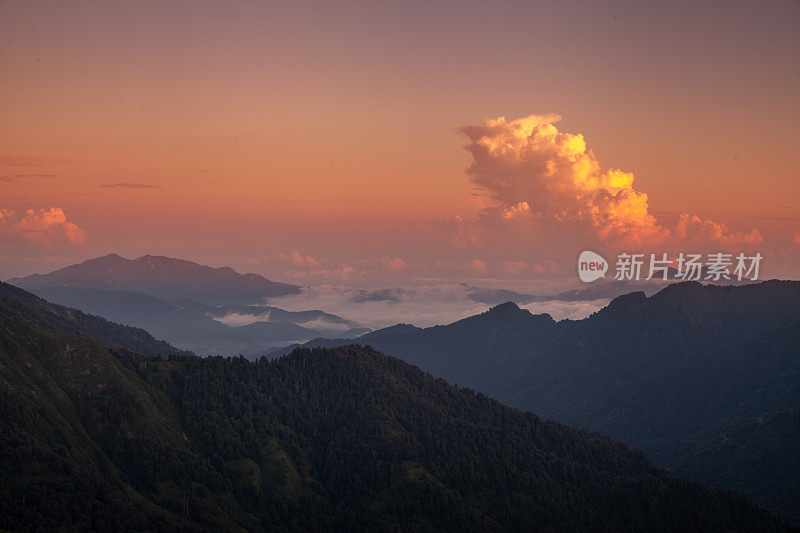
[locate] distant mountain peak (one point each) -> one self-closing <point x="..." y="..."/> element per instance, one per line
<point x="403" y="327"/>
<point x="507" y="307"/>
<point x="631" y="300"/>
<point x="162" y="277"/>
<point x="509" y="311"/>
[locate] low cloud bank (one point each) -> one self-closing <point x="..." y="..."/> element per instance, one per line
<point x="421" y="306"/>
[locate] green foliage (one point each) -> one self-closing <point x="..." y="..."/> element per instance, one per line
<point x="23" y="306"/>
<point x="704" y="379"/>
<point x="106" y="439"/>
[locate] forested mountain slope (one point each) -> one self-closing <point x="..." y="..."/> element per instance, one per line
<point x="28" y="308"/>
<point x="329" y="439"/>
<point x="728" y="417"/>
<point x="201" y="328"/>
<point x="704" y="379"/>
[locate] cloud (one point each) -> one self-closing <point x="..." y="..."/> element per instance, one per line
<point x="573" y="310"/>
<point x="477" y="266"/>
<point x="377" y="308"/>
<point x="301" y="260"/>
<point x="306" y="268"/>
<point x="235" y="320"/>
<point x="464" y="232"/>
<point x="423" y="306"/>
<point x="393" y="264"/>
<point x="321" y="323"/>
<point x="549" y="187"/>
<point x="694" y="229"/>
<point x="515" y="268"/>
<point x="46" y="227"/>
<point x="127" y="185"/>
<point x="14" y="178"/>
<point x="516" y="210"/>
<point x="326" y="324"/>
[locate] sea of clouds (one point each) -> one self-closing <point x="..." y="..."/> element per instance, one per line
<point x="421" y="306"/>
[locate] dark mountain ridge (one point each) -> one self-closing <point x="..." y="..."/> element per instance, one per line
<point x="101" y="439"/>
<point x="600" y="373"/>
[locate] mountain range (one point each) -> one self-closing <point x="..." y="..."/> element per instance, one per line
<point x="95" y="436"/>
<point x="204" y="329"/>
<point x="201" y="309"/>
<point x="165" y="278"/>
<point x="27" y="308"/>
<point x="704" y="379"/>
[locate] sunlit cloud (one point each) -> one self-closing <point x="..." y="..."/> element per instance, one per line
<point x="693" y="228"/>
<point x="478" y="267"/>
<point x="305" y="268"/>
<point x="517" y="210"/>
<point x="515" y="268"/>
<point x="44" y="227"/>
<point x="301" y="260"/>
<point x="549" y="187"/>
<point x="396" y="264"/>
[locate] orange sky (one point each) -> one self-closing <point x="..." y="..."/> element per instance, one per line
<point x="228" y="132"/>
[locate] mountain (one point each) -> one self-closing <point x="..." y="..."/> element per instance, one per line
<point x="704" y="379"/>
<point x="163" y="277"/>
<point x="203" y="329"/>
<point x="21" y="305"/>
<point x="98" y="439"/>
<point x="728" y="417"/>
<point x="494" y="296"/>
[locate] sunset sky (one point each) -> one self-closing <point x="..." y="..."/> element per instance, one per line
<point x="325" y="142"/>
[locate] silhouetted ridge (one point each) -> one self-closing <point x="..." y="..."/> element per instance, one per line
<point x="401" y="328"/>
<point x="612" y="371"/>
<point x="342" y="439"/>
<point x="510" y="311"/>
<point x="626" y="302"/>
<point x="505" y="309"/>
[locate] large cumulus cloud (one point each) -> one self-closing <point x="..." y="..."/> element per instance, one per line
<point x="549" y="187"/>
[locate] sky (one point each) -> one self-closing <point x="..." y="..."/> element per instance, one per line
<point x="377" y="143"/>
